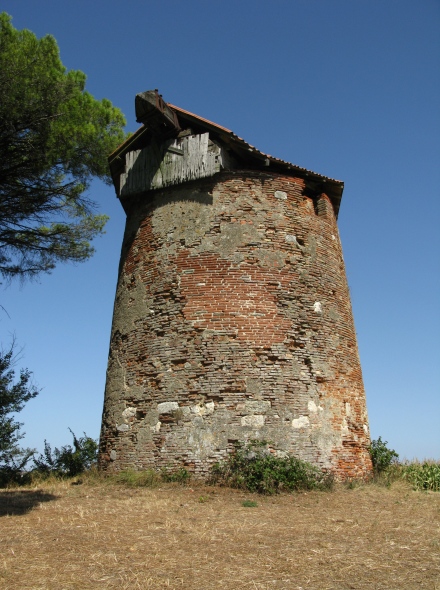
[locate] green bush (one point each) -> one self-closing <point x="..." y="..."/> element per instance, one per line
<point x="254" y="468"/>
<point x="381" y="456"/>
<point x="68" y="461"/>
<point x="423" y="476"/>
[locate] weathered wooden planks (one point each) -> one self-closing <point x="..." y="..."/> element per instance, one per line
<point x="171" y="162"/>
<point x="153" y="111"/>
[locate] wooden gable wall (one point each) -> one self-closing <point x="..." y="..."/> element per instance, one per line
<point x="173" y="161"/>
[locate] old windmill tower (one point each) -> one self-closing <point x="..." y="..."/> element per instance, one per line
<point x="232" y="318"/>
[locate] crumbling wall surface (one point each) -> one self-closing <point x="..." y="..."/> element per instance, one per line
<point x="233" y="322"/>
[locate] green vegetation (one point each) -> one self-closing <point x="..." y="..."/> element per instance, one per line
<point x="387" y="469"/>
<point x="151" y="478"/>
<point x="181" y="475"/>
<point x="138" y="479"/>
<point x="54" y="139"/>
<point x="68" y="461"/>
<point x="423" y="476"/>
<point x="381" y="456"/>
<point x="14" y="393"/>
<point x="254" y="468"/>
<point x="249" y="504"/>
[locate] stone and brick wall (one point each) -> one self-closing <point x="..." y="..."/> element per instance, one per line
<point x="233" y="322"/>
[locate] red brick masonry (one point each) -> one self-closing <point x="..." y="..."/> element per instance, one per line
<point x="233" y="322"/>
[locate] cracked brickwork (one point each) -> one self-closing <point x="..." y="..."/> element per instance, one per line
<point x="233" y="322"/>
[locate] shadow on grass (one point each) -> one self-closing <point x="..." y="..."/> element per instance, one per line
<point x="16" y="502"/>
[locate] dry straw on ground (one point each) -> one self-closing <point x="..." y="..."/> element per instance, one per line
<point x="68" y="537"/>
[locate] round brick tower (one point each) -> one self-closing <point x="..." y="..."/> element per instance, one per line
<point x="232" y="318"/>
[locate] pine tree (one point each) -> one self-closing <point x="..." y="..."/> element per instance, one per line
<point x="54" y="139"/>
<point x="15" y="391"/>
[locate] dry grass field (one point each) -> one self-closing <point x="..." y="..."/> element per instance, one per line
<point x="105" y="536"/>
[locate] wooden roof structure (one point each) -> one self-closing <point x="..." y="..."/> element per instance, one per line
<point x="163" y="122"/>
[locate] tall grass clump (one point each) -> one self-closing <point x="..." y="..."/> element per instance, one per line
<point x="423" y="476"/>
<point x="134" y="479"/>
<point x="254" y="468"/>
<point x="151" y="478"/>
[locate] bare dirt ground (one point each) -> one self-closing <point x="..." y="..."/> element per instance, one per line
<point x="102" y="536"/>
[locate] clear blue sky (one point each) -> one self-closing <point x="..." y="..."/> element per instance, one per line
<point x="347" y="89"/>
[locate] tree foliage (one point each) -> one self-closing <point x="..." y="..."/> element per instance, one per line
<point x="381" y="455"/>
<point x="15" y="391"/>
<point x="54" y="139"/>
<point x="68" y="461"/>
